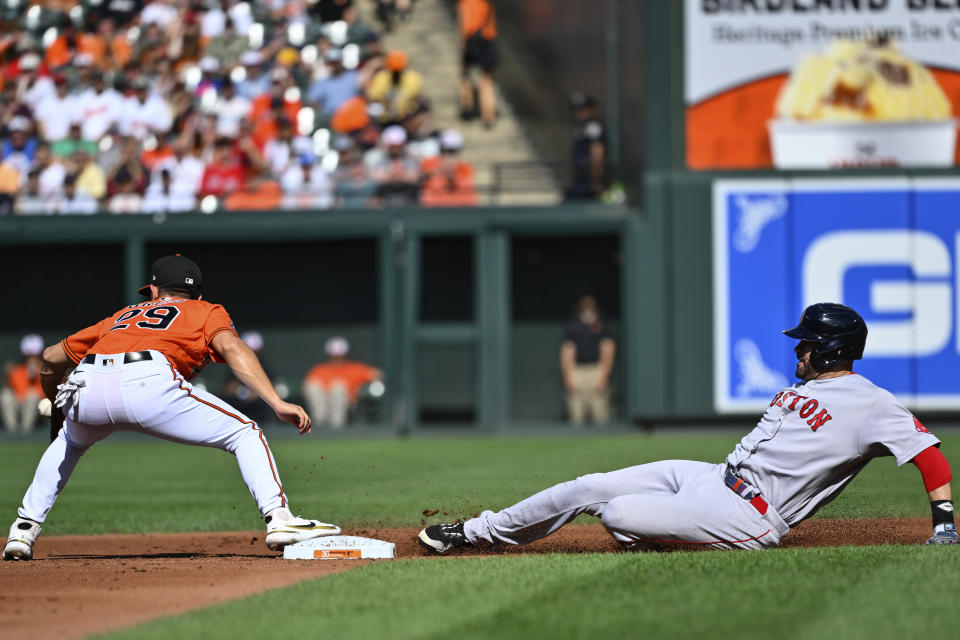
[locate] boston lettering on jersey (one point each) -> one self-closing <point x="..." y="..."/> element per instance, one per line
<point x="808" y="406"/>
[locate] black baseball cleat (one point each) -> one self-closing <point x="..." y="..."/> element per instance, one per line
<point x="441" y="538"/>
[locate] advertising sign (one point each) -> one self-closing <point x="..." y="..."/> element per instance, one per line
<point x="821" y="83"/>
<point x="889" y="248"/>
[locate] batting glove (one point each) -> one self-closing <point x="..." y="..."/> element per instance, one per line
<point x="946" y="535"/>
<point x="66" y="391"/>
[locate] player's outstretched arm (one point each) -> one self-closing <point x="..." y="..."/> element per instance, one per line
<point x="936" y="479"/>
<point x="246" y="366"/>
<point x="55" y="365"/>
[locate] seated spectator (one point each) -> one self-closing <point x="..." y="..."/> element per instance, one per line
<point x="186" y="43"/>
<point x="210" y="78"/>
<point x="328" y="94"/>
<point x="186" y="170"/>
<point x="73" y="202"/>
<point x="19" y="149"/>
<point x="279" y="153"/>
<point x="154" y="152"/>
<point x="351" y="117"/>
<point x="214" y="21"/>
<point x="397" y="174"/>
<point x="9" y="185"/>
<point x="229" y="46"/>
<point x="66" y="147"/>
<point x="100" y="108"/>
<point x="55" y="113"/>
<point x="246" y="151"/>
<point x="51" y="172"/>
<point x="144" y="114"/>
<point x="396" y="87"/>
<point x="29" y="201"/>
<point x="34" y="87"/>
<point x="63" y="49"/>
<point x="306" y="185"/>
<point x="90" y="177"/>
<point x="357" y="29"/>
<point x="127" y="162"/>
<point x="223" y="175"/>
<point x="354" y="189"/>
<point x="162" y="198"/>
<point x="231" y="109"/>
<point x="422" y="135"/>
<point x="81" y="73"/>
<point x="110" y="50"/>
<point x="449" y="180"/>
<point x="257" y="195"/>
<point x="159" y="12"/>
<point x="331" y="388"/>
<point x="22" y="391"/>
<point x="125" y="199"/>
<point x="269" y="107"/>
<point x="151" y="45"/>
<point x="255" y="81"/>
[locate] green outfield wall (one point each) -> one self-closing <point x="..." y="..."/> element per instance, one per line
<point x="463" y="310"/>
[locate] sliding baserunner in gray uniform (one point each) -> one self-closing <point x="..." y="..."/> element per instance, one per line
<point x="813" y="439"/>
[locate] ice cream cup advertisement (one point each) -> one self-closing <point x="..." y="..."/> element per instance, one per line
<point x="821" y="84"/>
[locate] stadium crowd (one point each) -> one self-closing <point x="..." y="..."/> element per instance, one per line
<point x="169" y="106"/>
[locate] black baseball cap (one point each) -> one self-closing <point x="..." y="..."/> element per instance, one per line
<point x="173" y="271"/>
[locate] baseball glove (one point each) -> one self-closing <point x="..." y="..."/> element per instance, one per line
<point x="56" y="421"/>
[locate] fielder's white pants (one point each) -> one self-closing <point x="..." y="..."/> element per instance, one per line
<point x="152" y="398"/>
<point x="667" y="501"/>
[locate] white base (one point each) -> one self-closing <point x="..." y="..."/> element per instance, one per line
<point x="339" y="548"/>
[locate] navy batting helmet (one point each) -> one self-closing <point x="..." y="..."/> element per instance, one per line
<point x="838" y="330"/>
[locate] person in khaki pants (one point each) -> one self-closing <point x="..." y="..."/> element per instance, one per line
<point x="586" y="359"/>
<point x="22" y="391"/>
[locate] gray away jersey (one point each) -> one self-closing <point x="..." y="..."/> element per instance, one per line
<point x="816" y="436"/>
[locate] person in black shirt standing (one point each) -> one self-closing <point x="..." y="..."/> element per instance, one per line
<point x="589" y="154"/>
<point x="586" y="359"/>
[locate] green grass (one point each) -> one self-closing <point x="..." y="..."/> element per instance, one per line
<point x="140" y="485"/>
<point x="878" y="592"/>
<point x="143" y="485"/>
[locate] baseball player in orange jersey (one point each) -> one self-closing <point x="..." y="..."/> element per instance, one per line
<point x="132" y="374"/>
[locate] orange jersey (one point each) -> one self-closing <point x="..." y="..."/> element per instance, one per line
<point x="477" y="15"/>
<point x="179" y="329"/>
<point x="22" y="383"/>
<point x="352" y="375"/>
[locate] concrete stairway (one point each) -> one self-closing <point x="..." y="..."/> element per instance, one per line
<point x="431" y="40"/>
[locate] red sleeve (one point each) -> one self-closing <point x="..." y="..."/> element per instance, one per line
<point x="217" y="320"/>
<point x="77" y="345"/>
<point x="933" y="467"/>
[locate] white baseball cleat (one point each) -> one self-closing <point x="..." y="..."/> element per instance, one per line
<point x="284" y="528"/>
<point x="23" y="533"/>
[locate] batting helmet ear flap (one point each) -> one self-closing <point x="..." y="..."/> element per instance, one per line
<point x="838" y="330"/>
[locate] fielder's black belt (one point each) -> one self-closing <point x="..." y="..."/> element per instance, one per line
<point x="744" y="490"/>
<point x="136" y="356"/>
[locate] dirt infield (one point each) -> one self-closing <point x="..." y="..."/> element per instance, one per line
<point x="79" y="585"/>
